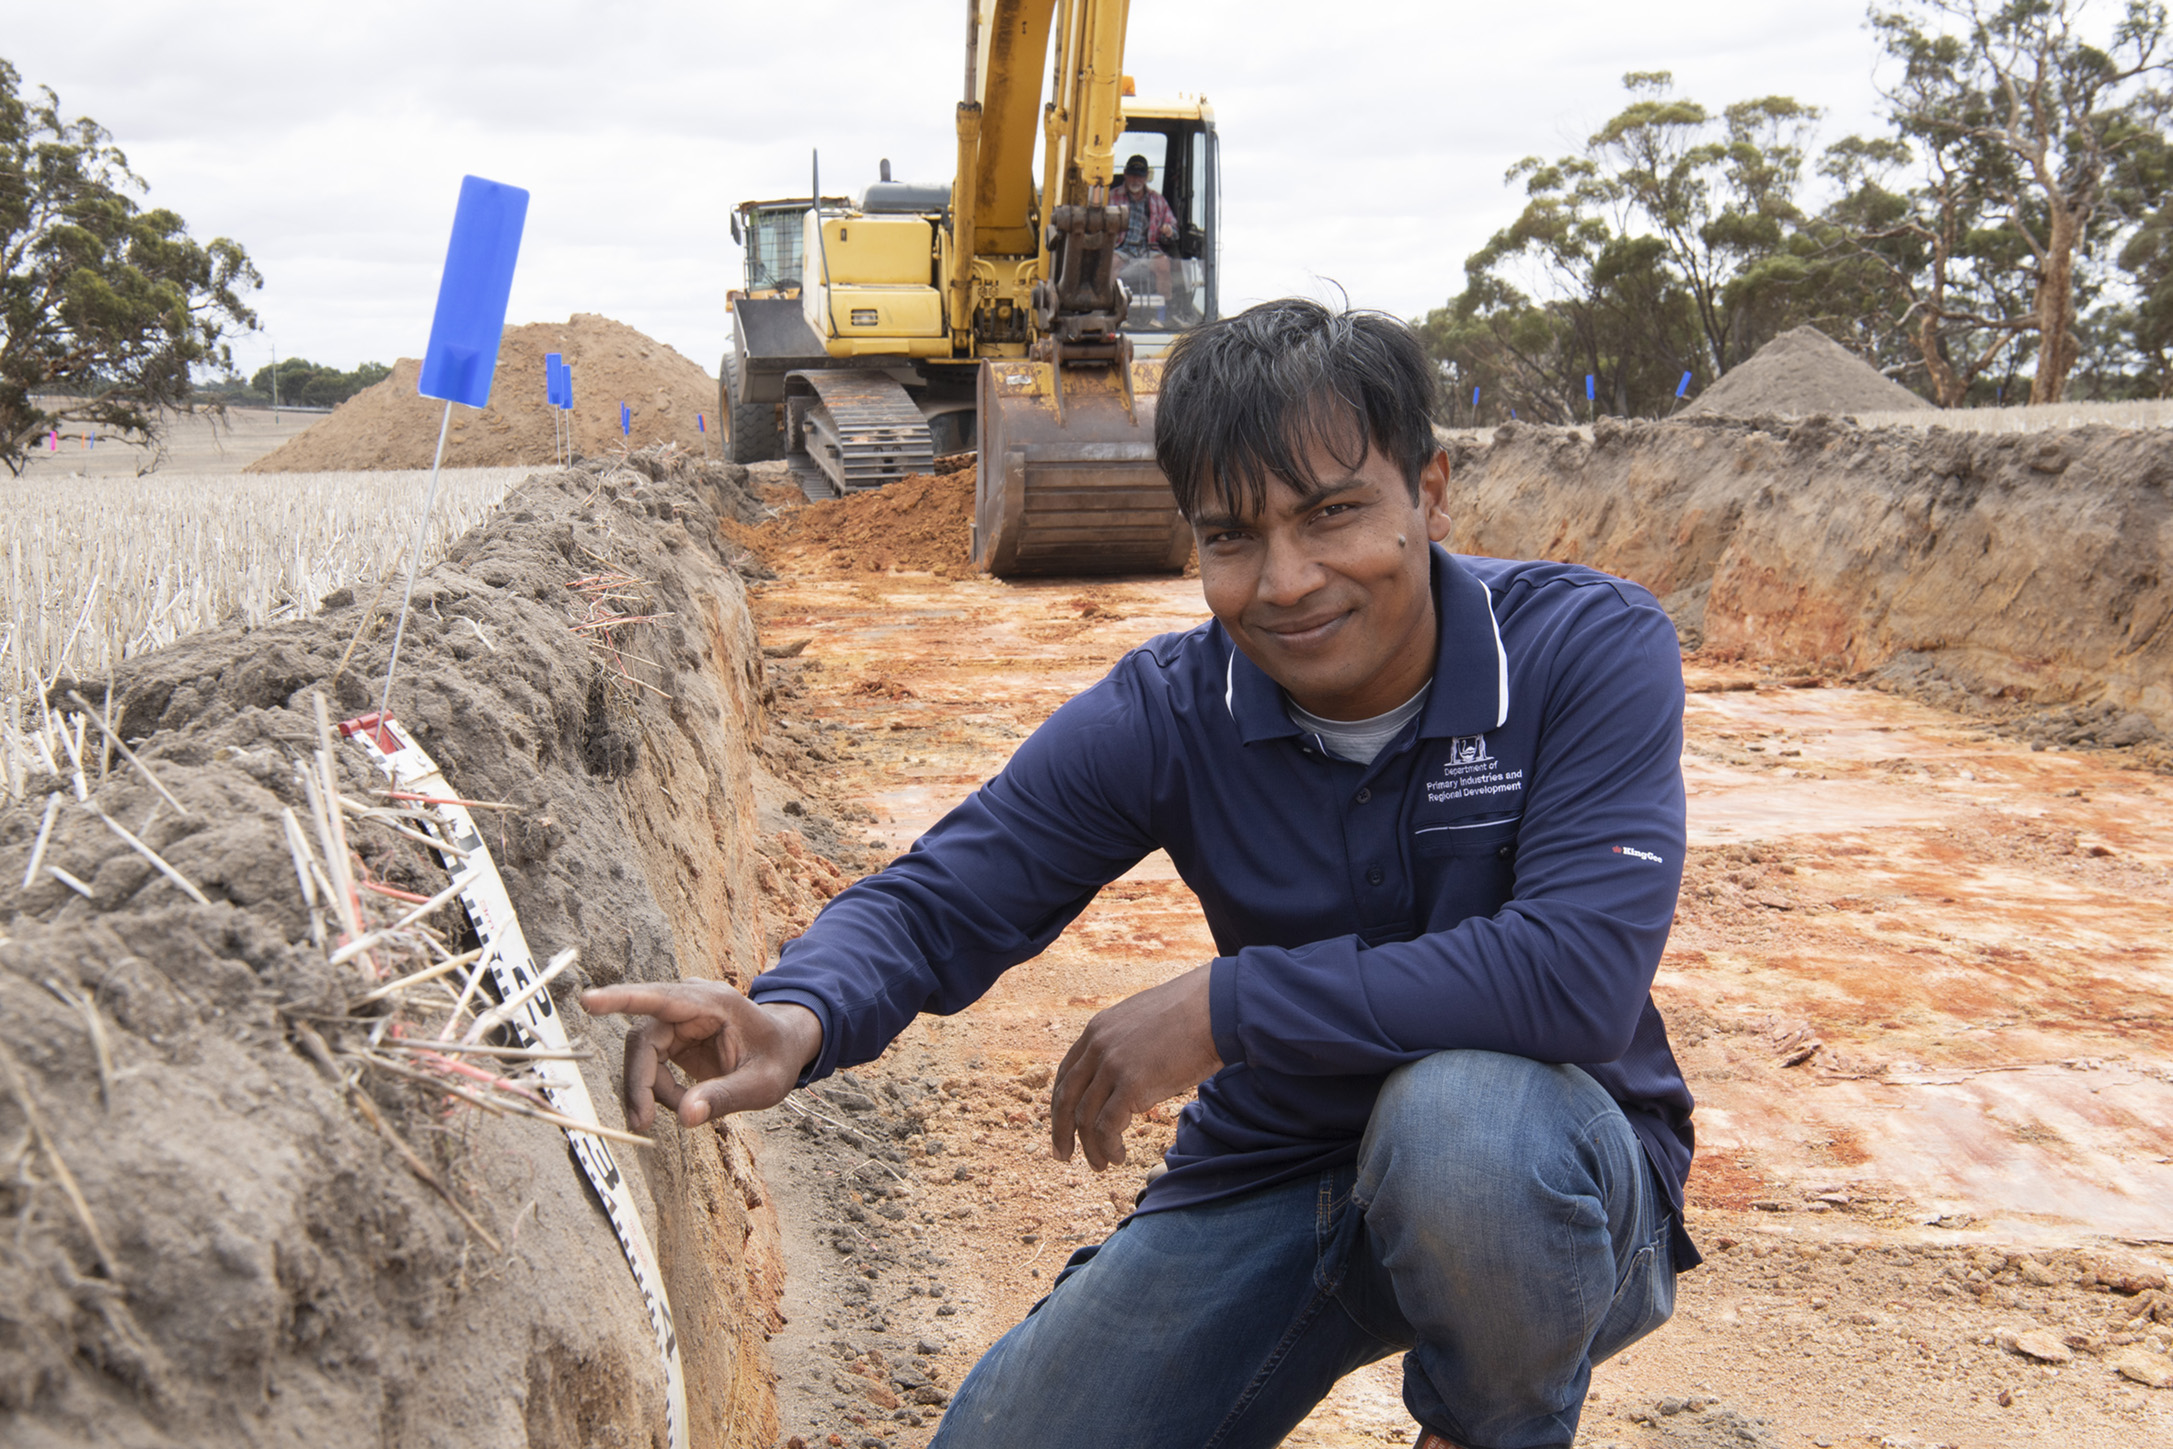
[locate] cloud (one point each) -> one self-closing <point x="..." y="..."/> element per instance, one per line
<point x="1363" y="143"/>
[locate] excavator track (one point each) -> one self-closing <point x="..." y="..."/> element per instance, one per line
<point x="860" y="430"/>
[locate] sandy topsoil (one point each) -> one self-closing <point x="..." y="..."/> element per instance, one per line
<point x="389" y="425"/>
<point x="232" y="1214"/>
<point x="1917" y="982"/>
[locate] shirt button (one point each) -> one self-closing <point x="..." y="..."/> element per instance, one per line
<point x="1364" y="796"/>
<point x="1374" y="876"/>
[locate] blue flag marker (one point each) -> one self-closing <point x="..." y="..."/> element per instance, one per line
<point x="701" y="424"/>
<point x="626" y="421"/>
<point x="464" y="334"/>
<point x="1683" y="386"/>
<point x="1475" y="395"/>
<point x="472" y="294"/>
<point x="554" y="371"/>
<point x="1589" y="382"/>
<point x="565" y="386"/>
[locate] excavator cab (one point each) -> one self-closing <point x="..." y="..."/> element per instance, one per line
<point x="1180" y="286"/>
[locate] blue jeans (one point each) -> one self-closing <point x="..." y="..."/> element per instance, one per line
<point x="1501" y="1223"/>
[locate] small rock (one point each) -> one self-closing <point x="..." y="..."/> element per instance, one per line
<point x="2152" y="1370"/>
<point x="2037" y="1273"/>
<point x="2039" y="1343"/>
<point x="1037" y="1075"/>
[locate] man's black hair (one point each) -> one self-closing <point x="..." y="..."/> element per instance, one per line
<point x="1245" y="399"/>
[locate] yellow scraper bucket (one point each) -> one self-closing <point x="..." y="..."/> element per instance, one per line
<point x="1066" y="481"/>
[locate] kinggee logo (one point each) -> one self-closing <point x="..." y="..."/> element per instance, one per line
<point x="1632" y="850"/>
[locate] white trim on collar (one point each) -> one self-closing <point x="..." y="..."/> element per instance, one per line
<point x="1229" y="683"/>
<point x="1501" y="663"/>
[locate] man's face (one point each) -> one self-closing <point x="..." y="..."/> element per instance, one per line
<point x="1330" y="592"/>
<point x="1134" y="182"/>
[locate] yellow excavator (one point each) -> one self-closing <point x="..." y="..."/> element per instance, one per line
<point x="994" y="314"/>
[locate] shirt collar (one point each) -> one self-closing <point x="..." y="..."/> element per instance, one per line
<point x="1471" y="669"/>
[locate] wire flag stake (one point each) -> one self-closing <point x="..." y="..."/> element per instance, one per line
<point x="464" y="333"/>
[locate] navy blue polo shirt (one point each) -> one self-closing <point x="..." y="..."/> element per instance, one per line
<point x="1501" y="877"/>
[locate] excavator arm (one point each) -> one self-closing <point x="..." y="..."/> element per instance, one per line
<point x="1066" y="480"/>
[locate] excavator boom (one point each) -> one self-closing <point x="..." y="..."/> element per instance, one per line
<point x="996" y="312"/>
<point x="1066" y="481"/>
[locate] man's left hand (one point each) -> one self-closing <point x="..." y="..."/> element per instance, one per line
<point x="1143" y="1050"/>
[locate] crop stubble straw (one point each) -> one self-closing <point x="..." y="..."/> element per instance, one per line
<point x="95" y="1028"/>
<point x="158" y="862"/>
<point x="45" y="836"/>
<point x="253" y="549"/>
<point x="380" y="936"/>
<point x="505" y="1010"/>
<point x="416" y="1165"/>
<point x="126" y="753"/>
<point x="485" y="1049"/>
<point x="20" y="1090"/>
<point x="416" y="978"/>
<point x="509" y="1105"/>
<point x="298" y="850"/>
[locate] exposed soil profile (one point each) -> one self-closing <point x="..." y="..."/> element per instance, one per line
<point x="2025" y="577"/>
<point x="241" y="1257"/>
<point x="1916" y="982"/>
<point x="1800" y="372"/>
<point x="922" y="524"/>
<point x="388" y="425"/>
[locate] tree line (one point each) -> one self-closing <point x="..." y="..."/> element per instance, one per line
<point x="2008" y="238"/>
<point x="297" y="383"/>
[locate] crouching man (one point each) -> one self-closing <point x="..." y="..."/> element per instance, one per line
<point x="1433" y="809"/>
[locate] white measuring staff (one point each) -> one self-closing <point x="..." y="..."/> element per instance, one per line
<point x="537" y="1022"/>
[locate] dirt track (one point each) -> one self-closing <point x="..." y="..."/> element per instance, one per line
<point x="1917" y="982"/>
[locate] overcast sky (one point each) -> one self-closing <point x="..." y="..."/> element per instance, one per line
<point x="1363" y="143"/>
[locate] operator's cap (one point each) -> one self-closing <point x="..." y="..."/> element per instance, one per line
<point x="1138" y="166"/>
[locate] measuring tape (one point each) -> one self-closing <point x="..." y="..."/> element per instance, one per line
<point x="513" y="969"/>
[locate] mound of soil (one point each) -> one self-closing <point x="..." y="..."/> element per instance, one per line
<point x="1800" y="372"/>
<point x="1999" y="572"/>
<point x="920" y="524"/>
<point x="241" y="1255"/>
<point x="390" y="425"/>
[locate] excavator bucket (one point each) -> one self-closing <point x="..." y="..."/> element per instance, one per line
<point x="1066" y="481"/>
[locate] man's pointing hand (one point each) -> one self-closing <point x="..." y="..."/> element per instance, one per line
<point x="742" y="1057"/>
<point x="1145" y="1049"/>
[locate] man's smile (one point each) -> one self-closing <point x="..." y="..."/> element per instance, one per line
<point x="1305" y="633"/>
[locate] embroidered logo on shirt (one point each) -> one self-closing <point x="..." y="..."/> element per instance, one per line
<point x="1640" y="854"/>
<point x="1470" y="772"/>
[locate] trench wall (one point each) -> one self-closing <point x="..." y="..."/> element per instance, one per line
<point x="2028" y="568"/>
<point x="250" y="1262"/>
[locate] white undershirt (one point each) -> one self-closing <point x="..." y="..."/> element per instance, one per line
<point x="1357" y="740"/>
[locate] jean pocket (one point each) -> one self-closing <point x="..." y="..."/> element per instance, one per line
<point x="1644" y="1300"/>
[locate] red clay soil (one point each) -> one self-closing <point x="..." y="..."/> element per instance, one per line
<point x="1917" y="982"/>
<point x="920" y="524"/>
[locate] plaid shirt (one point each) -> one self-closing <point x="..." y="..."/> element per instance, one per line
<point x="1141" y="234"/>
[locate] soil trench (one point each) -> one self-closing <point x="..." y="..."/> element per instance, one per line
<point x="1917" y="982"/>
<point x="233" y="1208"/>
